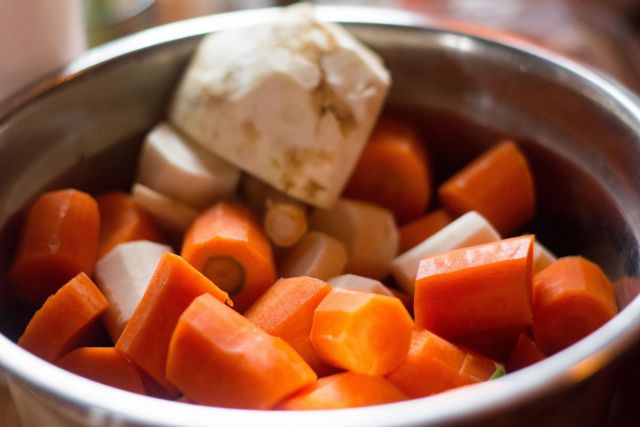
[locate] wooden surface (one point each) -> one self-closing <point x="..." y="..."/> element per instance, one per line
<point x="8" y="414"/>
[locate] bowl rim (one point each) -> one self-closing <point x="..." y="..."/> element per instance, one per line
<point x="563" y="370"/>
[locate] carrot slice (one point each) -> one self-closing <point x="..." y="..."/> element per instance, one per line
<point x="571" y="298"/>
<point x="286" y="310"/>
<point x="105" y="365"/>
<point x="227" y="245"/>
<point x="393" y="171"/>
<point x="59" y="239"/>
<point x="65" y="320"/>
<point x="525" y="353"/>
<point x="145" y="339"/>
<point x="475" y="289"/>
<point x="361" y="331"/>
<point x="218" y="357"/>
<point x="414" y="232"/>
<point x="477" y="368"/>
<point x="498" y="184"/>
<point x="469" y="230"/>
<point x="434" y="365"/>
<point x="122" y="220"/>
<point x="344" y="390"/>
<point x="496" y="344"/>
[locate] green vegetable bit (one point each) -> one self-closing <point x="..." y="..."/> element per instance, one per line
<point x="499" y="372"/>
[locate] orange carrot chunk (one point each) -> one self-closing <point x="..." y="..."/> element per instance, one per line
<point x="477" y="368"/>
<point x="122" y="220"/>
<point x="145" y="339"/>
<point x="59" y="239"/>
<point x="227" y="244"/>
<point x="393" y="171"/>
<point x="361" y="331"/>
<point x="65" y="320"/>
<point x="105" y="365"/>
<point x="434" y="365"/>
<point x="475" y="289"/>
<point x="414" y="232"/>
<point x="498" y="185"/>
<point x="286" y="310"/>
<point x="344" y="390"/>
<point x="217" y="357"/>
<point x="571" y="298"/>
<point x="496" y="344"/>
<point x="525" y="353"/>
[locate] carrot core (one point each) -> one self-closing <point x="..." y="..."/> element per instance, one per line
<point x="226" y="273"/>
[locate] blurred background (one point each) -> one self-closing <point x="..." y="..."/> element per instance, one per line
<point x="38" y="36"/>
<point x="603" y="33"/>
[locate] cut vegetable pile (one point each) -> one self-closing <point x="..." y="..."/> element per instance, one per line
<point x="285" y="247"/>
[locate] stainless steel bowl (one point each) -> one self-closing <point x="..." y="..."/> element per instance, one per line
<point x="466" y="88"/>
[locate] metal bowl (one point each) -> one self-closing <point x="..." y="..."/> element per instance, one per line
<point x="465" y="88"/>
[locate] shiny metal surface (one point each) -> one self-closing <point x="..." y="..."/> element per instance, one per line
<point x="580" y="130"/>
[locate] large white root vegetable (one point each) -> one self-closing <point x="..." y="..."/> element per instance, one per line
<point x="291" y="101"/>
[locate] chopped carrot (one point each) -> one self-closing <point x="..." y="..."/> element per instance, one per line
<point x="227" y="245"/>
<point x="496" y="344"/>
<point x="434" y="365"/>
<point x="361" y="331"/>
<point x="105" y="365"/>
<point x="218" y="357"/>
<point x="65" y="320"/>
<point x="286" y="310"/>
<point x="414" y="232"/>
<point x="525" y="353"/>
<point x="59" y="239"/>
<point x="469" y="230"/>
<point x="477" y="368"/>
<point x="498" y="185"/>
<point x="344" y="390"/>
<point x="475" y="289"/>
<point x="571" y="298"/>
<point x="122" y="220"/>
<point x="393" y="171"/>
<point x="145" y="339"/>
<point x="316" y="254"/>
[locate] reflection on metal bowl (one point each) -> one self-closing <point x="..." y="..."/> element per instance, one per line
<point x="580" y="131"/>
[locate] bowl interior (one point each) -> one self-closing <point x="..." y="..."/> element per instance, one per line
<point x="579" y="132"/>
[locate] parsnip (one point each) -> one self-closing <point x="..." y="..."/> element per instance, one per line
<point x="542" y="257"/>
<point x="368" y="231"/>
<point x="468" y="230"/>
<point x="284" y="218"/>
<point x="171" y="214"/>
<point x="173" y="165"/>
<point x="291" y="101"/>
<point x="123" y="275"/>
<point x="316" y="255"/>
<point x="360" y="283"/>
